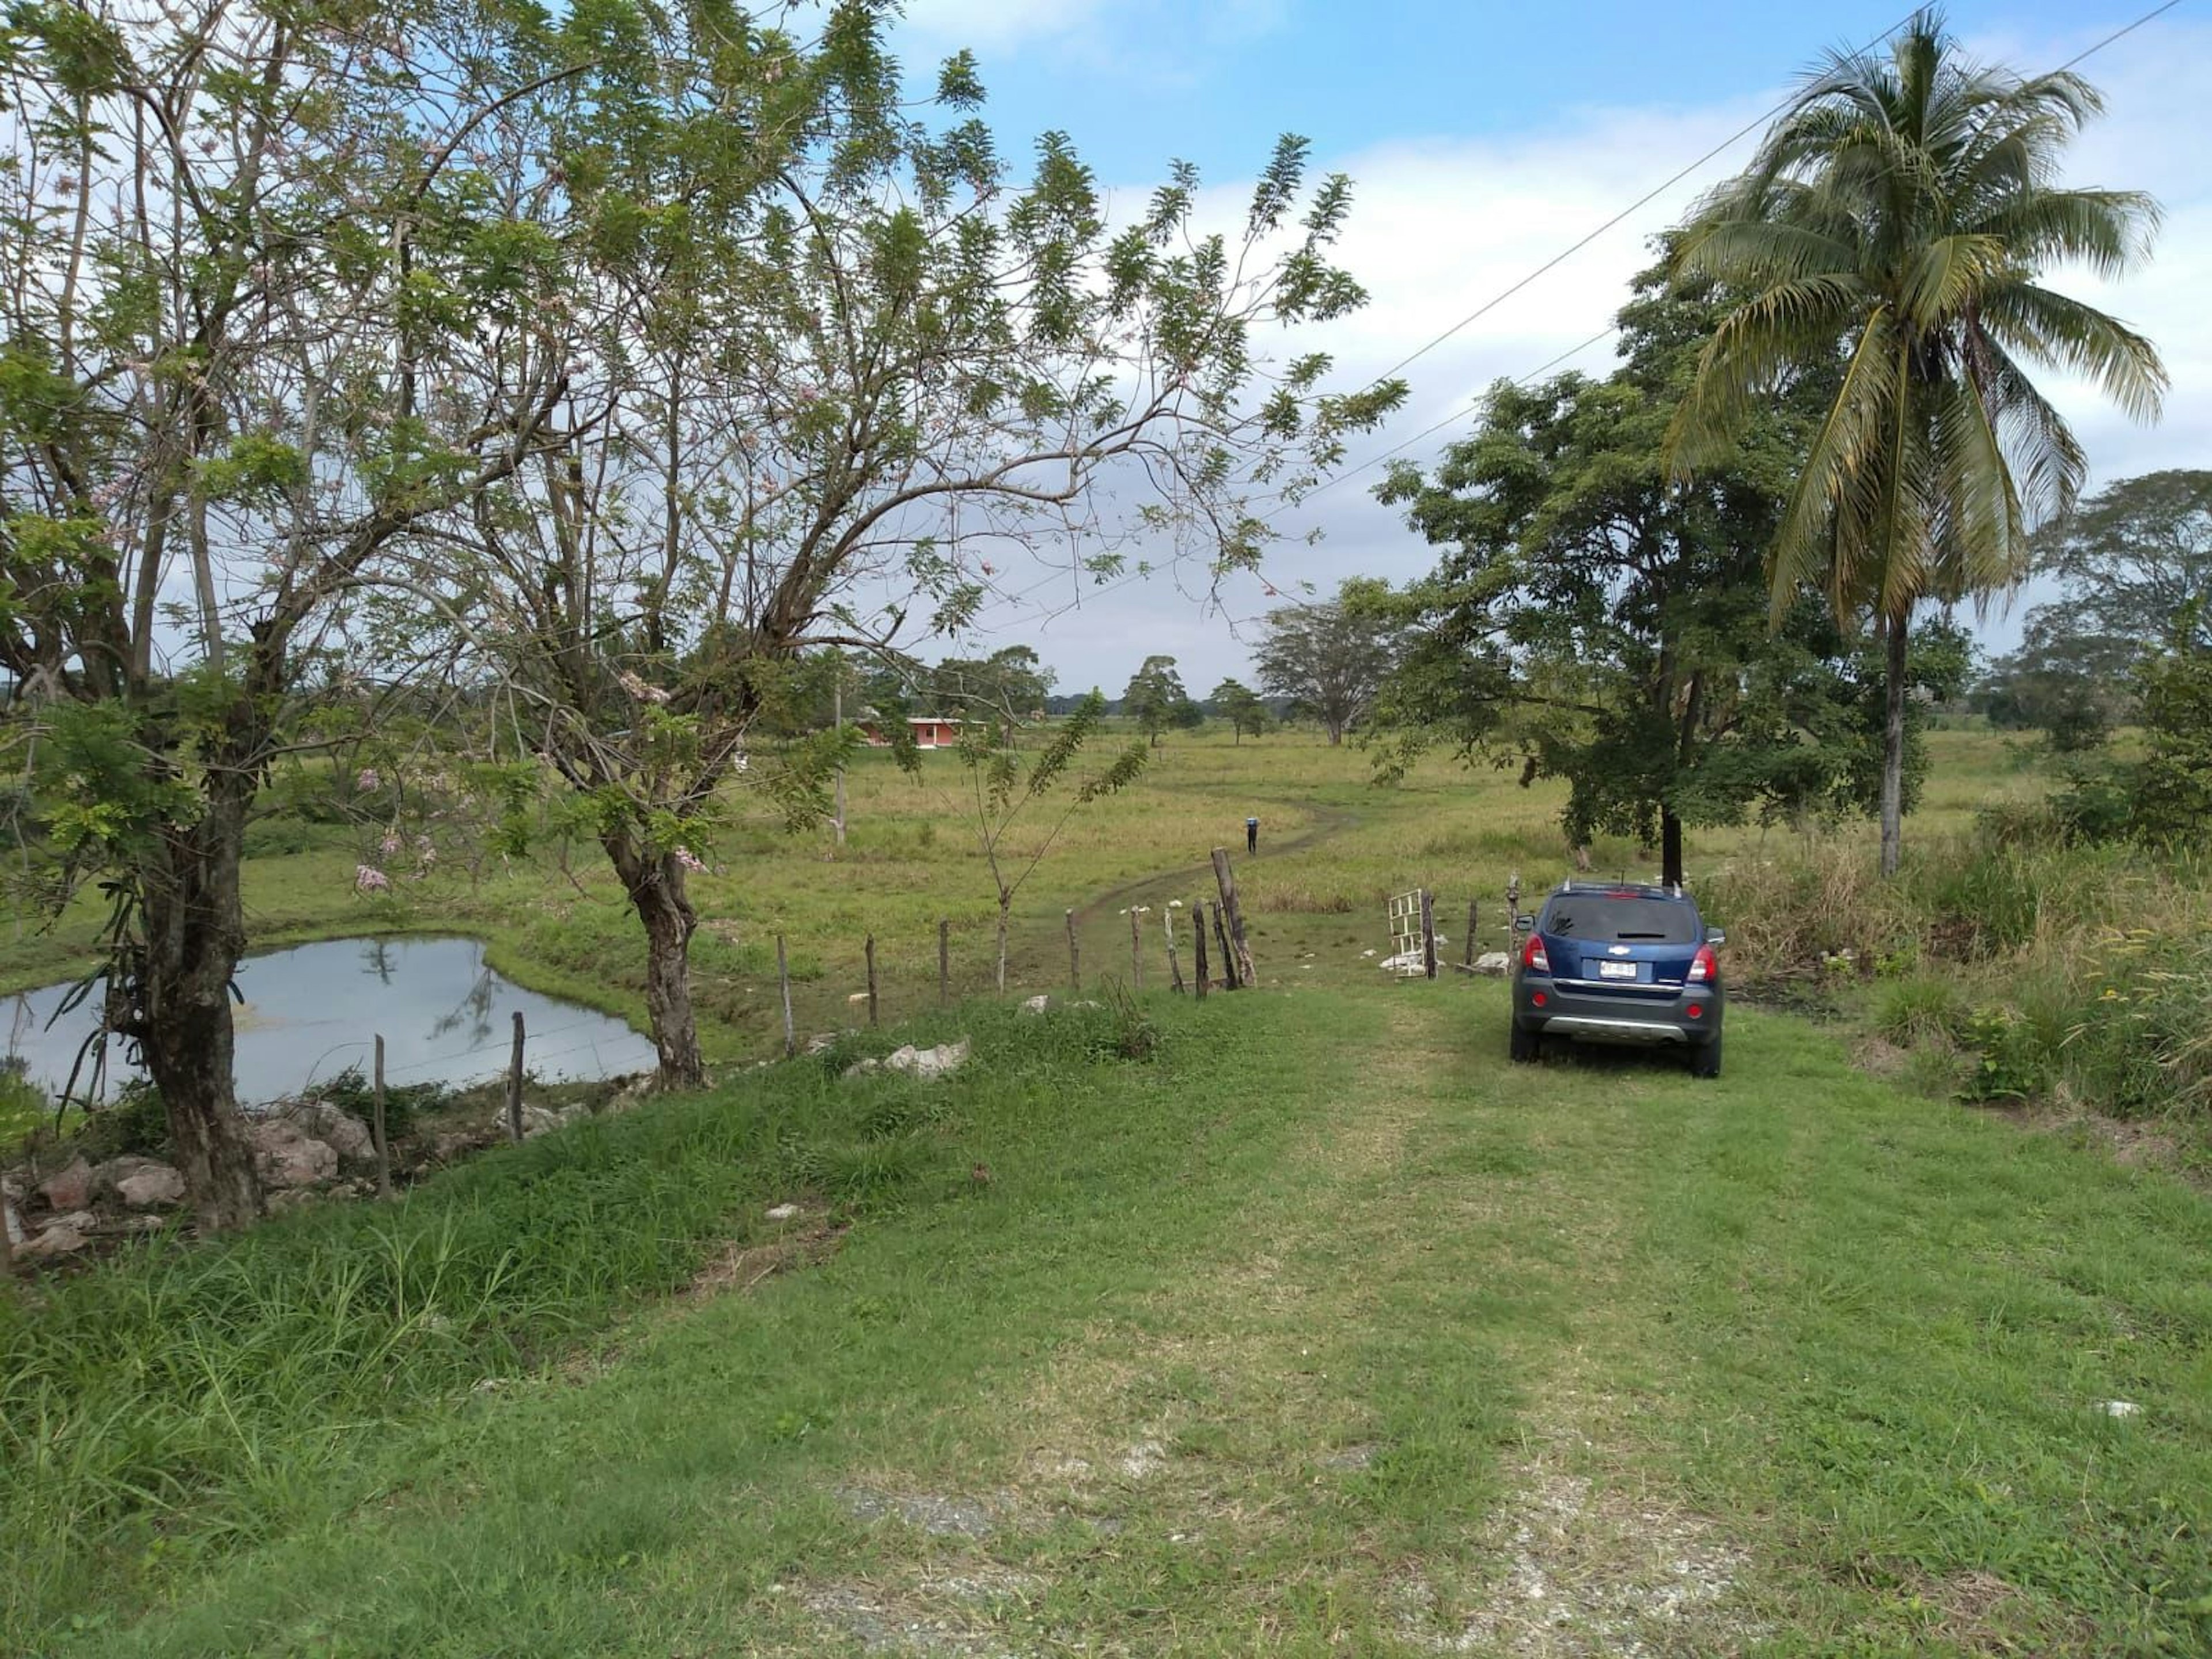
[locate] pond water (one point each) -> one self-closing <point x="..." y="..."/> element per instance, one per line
<point x="312" y="1012"/>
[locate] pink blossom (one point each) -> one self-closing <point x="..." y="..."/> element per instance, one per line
<point x="390" y="845"/>
<point x="368" y="878"/>
<point x="689" y="860"/>
<point x="366" y="781"/>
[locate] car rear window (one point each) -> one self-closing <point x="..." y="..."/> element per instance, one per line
<point x="1629" y="918"/>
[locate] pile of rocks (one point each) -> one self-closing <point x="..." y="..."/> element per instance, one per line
<point x="302" y="1151"/>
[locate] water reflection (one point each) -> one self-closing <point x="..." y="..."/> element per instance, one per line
<point x="312" y="1012"/>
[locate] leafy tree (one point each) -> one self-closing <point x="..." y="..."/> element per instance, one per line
<point x="831" y="362"/>
<point x="2173" y="784"/>
<point x="1004" y="783"/>
<point x="1903" y="211"/>
<point x="1239" y="705"/>
<point x="1594" y="622"/>
<point x="238" y="238"/>
<point x="1155" y="699"/>
<point x="1006" y="687"/>
<point x="1328" y="658"/>
<point x="2070" y="684"/>
<point x="2132" y="559"/>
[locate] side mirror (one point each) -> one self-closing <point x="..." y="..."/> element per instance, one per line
<point x="1522" y="921"/>
<point x="1716" y="938"/>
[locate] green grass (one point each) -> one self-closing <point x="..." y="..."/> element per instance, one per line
<point x="1334" y="847"/>
<point x="1318" y="1334"/>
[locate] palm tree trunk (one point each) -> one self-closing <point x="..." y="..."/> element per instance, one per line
<point x="1896" y="688"/>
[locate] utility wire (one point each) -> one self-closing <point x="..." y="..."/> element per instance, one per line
<point x="2151" y="15"/>
<point x="1656" y="190"/>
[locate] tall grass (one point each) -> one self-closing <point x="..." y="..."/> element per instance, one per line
<point x="2050" y="967"/>
<point x="231" y="1378"/>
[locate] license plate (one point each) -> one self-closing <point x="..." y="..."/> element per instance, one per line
<point x="1616" y="970"/>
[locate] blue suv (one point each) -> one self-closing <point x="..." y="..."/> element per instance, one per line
<point x="1619" y="963"/>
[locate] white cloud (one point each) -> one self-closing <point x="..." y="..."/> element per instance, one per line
<point x="1440" y="227"/>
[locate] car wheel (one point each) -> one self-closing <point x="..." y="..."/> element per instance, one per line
<point x="1706" y="1058"/>
<point x="1526" y="1045"/>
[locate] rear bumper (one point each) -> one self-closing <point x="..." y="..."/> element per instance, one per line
<point x="1598" y="1016"/>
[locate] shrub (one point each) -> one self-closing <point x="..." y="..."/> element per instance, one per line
<point x="353" y="1093"/>
<point x="1922" y="1008"/>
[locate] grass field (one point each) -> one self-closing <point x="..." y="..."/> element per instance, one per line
<point x="1321" y="1331"/>
<point x="1334" y="847"/>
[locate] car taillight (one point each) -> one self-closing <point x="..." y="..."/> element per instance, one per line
<point x="1533" y="957"/>
<point x="1706" y="968"/>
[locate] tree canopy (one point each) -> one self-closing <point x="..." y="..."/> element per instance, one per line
<point x="1327" y="658"/>
<point x="1903" y="211"/>
<point x="1594" y="621"/>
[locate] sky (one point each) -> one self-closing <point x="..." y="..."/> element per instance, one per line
<point x="1482" y="140"/>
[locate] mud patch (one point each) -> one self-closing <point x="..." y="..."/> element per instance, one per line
<point x="939" y="1517"/>
<point x="1587" y="1572"/>
<point x="956" y="1614"/>
<point x="740" y="1267"/>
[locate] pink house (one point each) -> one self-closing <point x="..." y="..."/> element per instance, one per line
<point x="930" y="732"/>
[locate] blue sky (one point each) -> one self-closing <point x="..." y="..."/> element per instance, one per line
<point x="1484" y="138"/>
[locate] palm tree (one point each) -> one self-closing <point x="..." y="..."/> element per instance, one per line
<point x="1894" y="229"/>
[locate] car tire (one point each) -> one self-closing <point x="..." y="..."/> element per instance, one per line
<point x="1706" y="1058"/>
<point x="1525" y="1045"/>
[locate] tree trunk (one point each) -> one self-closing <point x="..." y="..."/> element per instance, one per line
<point x="1335" y="734"/>
<point x="1670" y="848"/>
<point x="175" y="1002"/>
<point x="1005" y="902"/>
<point x="654" y="883"/>
<point x="1896" y="690"/>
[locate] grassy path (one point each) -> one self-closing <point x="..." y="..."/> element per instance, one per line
<point x="1330" y="1333"/>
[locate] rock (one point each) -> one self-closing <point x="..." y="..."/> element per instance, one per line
<point x="287" y="1157"/>
<point x="296" y="1198"/>
<point x="68" y="1188"/>
<point x="862" y="1067"/>
<point x="630" y="1096"/>
<point x="1036" y="1005"/>
<point x="152" y="1187"/>
<point x="2119" y="1408"/>
<point x="1496" y="964"/>
<point x="58" y="1240"/>
<point x="821" y="1041"/>
<point x="782" y="1212"/>
<point x="347" y="1135"/>
<point x="544" y="1120"/>
<point x="924" y="1063"/>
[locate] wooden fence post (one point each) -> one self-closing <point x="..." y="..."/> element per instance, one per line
<point x="1470" y="935"/>
<point x="383" y="1141"/>
<point x="1513" y="896"/>
<point x="1428" y="934"/>
<point x="1074" y="959"/>
<point x="1229" y="980"/>
<point x="943" y="961"/>
<point x="514" y="1086"/>
<point x="783" y="983"/>
<point x="871" y="950"/>
<point x="1175" y="966"/>
<point x="1226" y="880"/>
<point x="1136" y="951"/>
<point x="1197" y="945"/>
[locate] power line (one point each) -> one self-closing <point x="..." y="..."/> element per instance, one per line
<point x="1656" y="190"/>
<point x="2151" y="15"/>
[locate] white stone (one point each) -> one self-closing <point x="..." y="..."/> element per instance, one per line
<point x="1493" y="962"/>
<point x="2119" y="1407"/>
<point x="151" y="1187"/>
<point x="286" y="1156"/>
<point x="1036" y="1005"/>
<point x="782" y="1212"/>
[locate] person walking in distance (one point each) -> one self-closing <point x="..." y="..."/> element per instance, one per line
<point x="1251" y="834"/>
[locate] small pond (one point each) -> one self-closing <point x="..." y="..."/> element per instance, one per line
<point x="312" y="1012"/>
